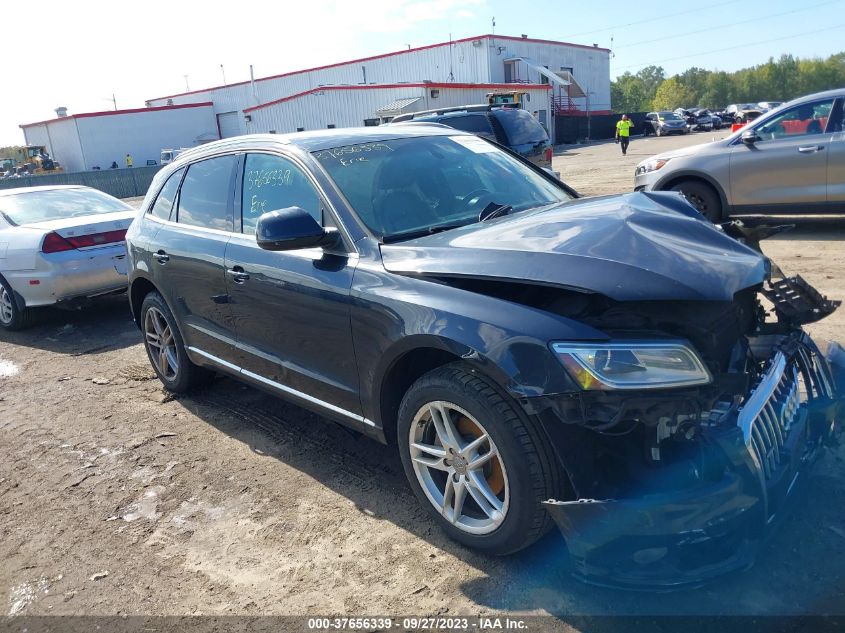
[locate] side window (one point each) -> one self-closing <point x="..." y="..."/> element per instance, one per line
<point x="205" y="194"/>
<point x="272" y="182"/>
<point x="802" y="120"/>
<point x="164" y="202"/>
<point x="477" y="124"/>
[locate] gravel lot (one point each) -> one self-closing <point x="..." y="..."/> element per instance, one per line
<point x="116" y="498"/>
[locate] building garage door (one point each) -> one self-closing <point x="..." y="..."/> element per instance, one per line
<point x="229" y="124"/>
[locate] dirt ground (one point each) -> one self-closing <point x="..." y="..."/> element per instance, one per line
<point x="116" y="498"/>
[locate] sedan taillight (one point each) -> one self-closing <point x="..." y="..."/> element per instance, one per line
<point x="548" y="154"/>
<point x="55" y="243"/>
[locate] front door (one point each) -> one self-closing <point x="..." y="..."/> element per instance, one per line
<point x="189" y="251"/>
<point x="786" y="169"/>
<point x="291" y="307"/>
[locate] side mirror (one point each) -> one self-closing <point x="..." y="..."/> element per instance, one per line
<point x="749" y="137"/>
<point x="291" y="229"/>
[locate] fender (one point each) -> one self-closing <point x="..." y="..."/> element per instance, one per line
<point x="507" y="341"/>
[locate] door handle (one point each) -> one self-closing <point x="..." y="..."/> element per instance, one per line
<point x="161" y="257"/>
<point x="810" y="149"/>
<point x="238" y="275"/>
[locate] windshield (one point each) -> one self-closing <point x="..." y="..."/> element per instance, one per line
<point x="407" y="187"/>
<point x="669" y="116"/>
<point x="58" y="204"/>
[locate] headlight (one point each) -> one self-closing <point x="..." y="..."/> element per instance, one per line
<point x="652" y="165"/>
<point x="632" y="365"/>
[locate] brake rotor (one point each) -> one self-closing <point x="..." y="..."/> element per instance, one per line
<point x="492" y="469"/>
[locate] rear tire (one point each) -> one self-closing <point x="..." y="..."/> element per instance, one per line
<point x="500" y="501"/>
<point x="659" y="131"/>
<point x="703" y="197"/>
<point x="166" y="349"/>
<point x="12" y="316"/>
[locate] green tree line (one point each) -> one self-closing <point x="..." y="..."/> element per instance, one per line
<point x="776" y="80"/>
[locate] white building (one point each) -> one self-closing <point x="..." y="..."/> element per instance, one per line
<point x="81" y="142"/>
<point x="560" y="77"/>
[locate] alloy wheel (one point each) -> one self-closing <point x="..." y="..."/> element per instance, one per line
<point x="161" y="343"/>
<point x="459" y="467"/>
<point x="7" y="309"/>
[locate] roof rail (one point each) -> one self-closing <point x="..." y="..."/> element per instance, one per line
<point x="482" y="107"/>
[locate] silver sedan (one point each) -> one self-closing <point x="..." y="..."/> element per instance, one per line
<point x="59" y="245"/>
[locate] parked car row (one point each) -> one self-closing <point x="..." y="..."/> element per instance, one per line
<point x="535" y="357"/>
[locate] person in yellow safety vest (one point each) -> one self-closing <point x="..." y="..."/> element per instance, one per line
<point x="129" y="160"/>
<point x="623" y="133"/>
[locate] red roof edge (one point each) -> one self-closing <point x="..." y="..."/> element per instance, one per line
<point x="389" y="86"/>
<point x="391" y="54"/>
<point x="85" y="115"/>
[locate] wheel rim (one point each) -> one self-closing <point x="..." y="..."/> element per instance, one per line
<point x="7" y="308"/>
<point x="161" y="344"/>
<point x="459" y="467"/>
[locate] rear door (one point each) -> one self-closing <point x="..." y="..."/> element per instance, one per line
<point x="786" y="170"/>
<point x="291" y="307"/>
<point x="188" y="254"/>
<point x="836" y="159"/>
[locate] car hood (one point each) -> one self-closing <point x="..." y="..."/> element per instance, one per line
<point x="679" y="153"/>
<point x="638" y="246"/>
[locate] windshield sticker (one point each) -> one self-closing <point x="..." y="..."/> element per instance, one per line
<point x="352" y="153"/>
<point x="474" y="143"/>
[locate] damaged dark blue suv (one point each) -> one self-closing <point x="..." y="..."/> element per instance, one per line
<point x="616" y="365"/>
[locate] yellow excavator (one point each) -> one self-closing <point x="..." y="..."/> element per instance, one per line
<point x="34" y="159"/>
<point x="514" y="98"/>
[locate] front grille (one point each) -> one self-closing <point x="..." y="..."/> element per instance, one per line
<point x="773" y="408"/>
<point x="767" y="417"/>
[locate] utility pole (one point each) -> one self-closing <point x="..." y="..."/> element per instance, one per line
<point x="493" y="26"/>
<point x="187" y="87"/>
<point x="223" y="71"/>
<point x="114" y="101"/>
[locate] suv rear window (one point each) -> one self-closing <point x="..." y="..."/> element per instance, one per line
<point x="520" y="127"/>
<point x="474" y="123"/>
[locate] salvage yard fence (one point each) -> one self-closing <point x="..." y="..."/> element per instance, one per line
<point x="574" y="129"/>
<point x="129" y="182"/>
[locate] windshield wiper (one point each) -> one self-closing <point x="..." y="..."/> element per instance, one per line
<point x="494" y="210"/>
<point x="409" y="235"/>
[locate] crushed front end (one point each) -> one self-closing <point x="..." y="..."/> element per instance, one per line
<point x="675" y="486"/>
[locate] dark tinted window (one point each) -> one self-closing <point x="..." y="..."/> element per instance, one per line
<point x="164" y="202"/>
<point x="475" y="123"/>
<point x="521" y="128"/>
<point x="205" y="193"/>
<point x="272" y="182"/>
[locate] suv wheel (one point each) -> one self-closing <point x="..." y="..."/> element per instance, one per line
<point x="703" y="197"/>
<point x="12" y="316"/>
<point x="659" y="130"/>
<point x="479" y="468"/>
<point x="165" y="347"/>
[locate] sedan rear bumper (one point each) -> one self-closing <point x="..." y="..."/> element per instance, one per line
<point x="64" y="277"/>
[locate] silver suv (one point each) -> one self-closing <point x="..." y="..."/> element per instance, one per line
<point x="791" y="161"/>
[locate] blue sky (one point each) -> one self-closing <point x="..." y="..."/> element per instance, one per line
<point x="95" y="48"/>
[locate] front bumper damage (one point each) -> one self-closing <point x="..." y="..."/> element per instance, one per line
<point x="689" y="533"/>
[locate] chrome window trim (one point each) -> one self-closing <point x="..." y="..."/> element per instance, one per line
<point x="283" y="388"/>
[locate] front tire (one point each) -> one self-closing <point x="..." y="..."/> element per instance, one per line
<point x="166" y="349"/>
<point x="703" y="197"/>
<point x="474" y="462"/>
<point x="12" y="316"/>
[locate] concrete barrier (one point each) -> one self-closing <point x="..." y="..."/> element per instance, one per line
<point x="120" y="183"/>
